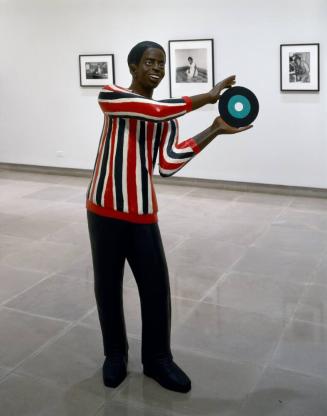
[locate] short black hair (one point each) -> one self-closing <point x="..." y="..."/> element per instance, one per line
<point x="138" y="50"/>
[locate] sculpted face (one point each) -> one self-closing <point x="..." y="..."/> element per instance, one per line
<point x="150" y="70"/>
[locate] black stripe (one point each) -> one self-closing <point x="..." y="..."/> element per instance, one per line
<point x="170" y="151"/>
<point x="173" y="101"/>
<point x="144" y="172"/>
<point x="119" y="165"/>
<point x="156" y="144"/>
<point x="104" y="165"/>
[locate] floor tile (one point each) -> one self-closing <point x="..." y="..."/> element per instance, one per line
<point x="23" y="334"/>
<point x="261" y="198"/>
<point x="31" y="227"/>
<point x="10" y="244"/>
<point x="26" y="396"/>
<point x="303" y="349"/>
<point x="123" y="408"/>
<point x="45" y="256"/>
<point x="295" y="240"/>
<point x="253" y="293"/>
<point x="306" y="220"/>
<point x="14" y="281"/>
<point x="207" y="251"/>
<point x="284" y="265"/>
<point x="192" y="281"/>
<point x="74" y="358"/>
<point x="54" y="193"/>
<point x="310" y="204"/>
<point x="313" y="305"/>
<point x="229" y="334"/>
<point x="284" y="393"/>
<point x="61" y="297"/>
<point x="320" y="275"/>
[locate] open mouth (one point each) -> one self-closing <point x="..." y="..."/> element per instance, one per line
<point x="154" y="77"/>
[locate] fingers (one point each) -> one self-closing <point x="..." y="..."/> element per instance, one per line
<point x="244" y="128"/>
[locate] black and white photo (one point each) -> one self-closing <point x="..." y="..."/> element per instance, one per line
<point x="191" y="66"/>
<point x="96" y="70"/>
<point x="299" y="67"/>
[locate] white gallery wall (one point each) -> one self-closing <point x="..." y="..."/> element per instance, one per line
<point x="43" y="109"/>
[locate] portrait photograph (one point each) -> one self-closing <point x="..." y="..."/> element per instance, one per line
<point x="299" y="67"/>
<point x="96" y="70"/>
<point x="191" y="66"/>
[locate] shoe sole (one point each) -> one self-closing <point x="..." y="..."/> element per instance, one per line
<point x="166" y="386"/>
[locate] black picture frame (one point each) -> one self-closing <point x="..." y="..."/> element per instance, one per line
<point x="96" y="70"/>
<point x="188" y="77"/>
<point x="300" y="67"/>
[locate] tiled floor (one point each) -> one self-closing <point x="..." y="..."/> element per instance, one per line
<point x="249" y="286"/>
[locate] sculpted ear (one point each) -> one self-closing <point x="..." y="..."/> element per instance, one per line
<point x="132" y="69"/>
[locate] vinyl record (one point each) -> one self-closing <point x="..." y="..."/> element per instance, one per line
<point x="238" y="106"/>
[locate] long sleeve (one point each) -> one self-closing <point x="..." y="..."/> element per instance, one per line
<point x="173" y="155"/>
<point x="119" y="102"/>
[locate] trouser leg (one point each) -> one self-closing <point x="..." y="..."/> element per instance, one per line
<point x="147" y="260"/>
<point x="108" y="253"/>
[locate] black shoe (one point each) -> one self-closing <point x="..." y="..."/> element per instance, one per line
<point x="114" y="370"/>
<point x="168" y="375"/>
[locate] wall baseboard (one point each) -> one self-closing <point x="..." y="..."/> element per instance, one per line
<point x="203" y="183"/>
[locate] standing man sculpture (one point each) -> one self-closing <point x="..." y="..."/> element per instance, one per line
<point x="122" y="210"/>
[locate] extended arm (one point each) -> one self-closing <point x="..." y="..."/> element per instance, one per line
<point x="217" y="127"/>
<point x="174" y="154"/>
<point x="120" y="102"/>
<point x="213" y="95"/>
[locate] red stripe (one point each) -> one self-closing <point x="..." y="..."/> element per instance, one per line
<point x="172" y="166"/>
<point x="131" y="171"/>
<point x="189" y="103"/>
<point x="108" y="212"/>
<point x="108" y="195"/>
<point x="154" y="197"/>
<point x="99" y="157"/>
<point x="151" y="109"/>
<point x="163" y="142"/>
<point x="188" y="143"/>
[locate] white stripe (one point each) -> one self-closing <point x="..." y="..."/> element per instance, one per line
<point x="105" y="133"/>
<point x="169" y="171"/>
<point x="138" y="171"/>
<point x="150" y="207"/>
<point x="116" y="88"/>
<point x="124" y="167"/>
<point x="175" y="150"/>
<point x="141" y="101"/>
<point x="114" y="168"/>
<point x="142" y="115"/>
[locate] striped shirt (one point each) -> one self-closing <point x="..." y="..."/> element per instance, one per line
<point x="135" y="131"/>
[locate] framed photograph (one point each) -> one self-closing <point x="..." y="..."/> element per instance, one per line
<point x="299" y="67"/>
<point x="191" y="66"/>
<point x="96" y="70"/>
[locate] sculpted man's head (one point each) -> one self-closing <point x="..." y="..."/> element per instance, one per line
<point x="146" y="62"/>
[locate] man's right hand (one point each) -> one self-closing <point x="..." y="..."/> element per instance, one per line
<point x="214" y="94"/>
<point x="221" y="127"/>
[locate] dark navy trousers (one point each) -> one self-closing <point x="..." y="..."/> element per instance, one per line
<point x="112" y="242"/>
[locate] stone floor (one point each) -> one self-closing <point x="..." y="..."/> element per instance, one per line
<point x="249" y="287"/>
